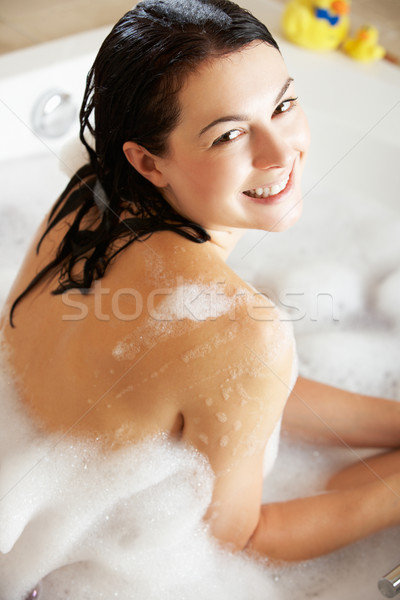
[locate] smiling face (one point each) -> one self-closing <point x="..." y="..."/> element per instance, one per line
<point x="235" y="158"/>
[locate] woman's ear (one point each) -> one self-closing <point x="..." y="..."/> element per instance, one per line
<point x="145" y="163"/>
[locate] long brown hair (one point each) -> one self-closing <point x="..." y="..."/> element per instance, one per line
<point x="132" y="94"/>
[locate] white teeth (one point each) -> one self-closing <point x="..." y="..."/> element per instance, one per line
<point x="268" y="191"/>
<point x="275" y="189"/>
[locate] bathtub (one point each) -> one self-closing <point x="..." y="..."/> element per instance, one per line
<point x="335" y="274"/>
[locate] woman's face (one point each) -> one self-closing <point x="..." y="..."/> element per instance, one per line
<point x="236" y="157"/>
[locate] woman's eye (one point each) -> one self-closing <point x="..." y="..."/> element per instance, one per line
<point x="286" y="105"/>
<point x="229" y="136"/>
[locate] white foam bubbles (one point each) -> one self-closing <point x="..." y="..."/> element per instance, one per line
<point x="320" y="292"/>
<point x="80" y="522"/>
<point x="344" y="359"/>
<point x="387" y="297"/>
<point x="197" y="302"/>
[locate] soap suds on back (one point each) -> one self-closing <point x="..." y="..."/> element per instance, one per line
<point x="79" y="522"/>
<point x="213" y="343"/>
<point x="221" y="417"/>
<point x="197" y="302"/>
<point x="181" y="309"/>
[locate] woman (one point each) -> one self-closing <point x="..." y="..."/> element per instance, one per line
<point x="127" y="314"/>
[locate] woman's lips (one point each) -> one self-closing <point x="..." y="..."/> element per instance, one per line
<point x="265" y="192"/>
<point x="272" y="194"/>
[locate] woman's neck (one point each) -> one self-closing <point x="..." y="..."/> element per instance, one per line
<point x="225" y="241"/>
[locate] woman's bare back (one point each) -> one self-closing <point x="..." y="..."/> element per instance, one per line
<point x="121" y="360"/>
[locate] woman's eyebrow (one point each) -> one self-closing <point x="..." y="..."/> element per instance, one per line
<point x="284" y="89"/>
<point x="227" y="118"/>
<point x="223" y="120"/>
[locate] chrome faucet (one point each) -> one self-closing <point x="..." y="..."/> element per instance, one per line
<point x="53" y="114"/>
<point x="389" y="585"/>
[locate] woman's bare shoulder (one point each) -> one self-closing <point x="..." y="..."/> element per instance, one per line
<point x="189" y="288"/>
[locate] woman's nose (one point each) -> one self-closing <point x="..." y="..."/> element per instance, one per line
<point x="271" y="150"/>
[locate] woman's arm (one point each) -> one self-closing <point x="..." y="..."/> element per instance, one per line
<point x="320" y="413"/>
<point x="292" y="530"/>
<point x="305" y="528"/>
<point x="237" y="394"/>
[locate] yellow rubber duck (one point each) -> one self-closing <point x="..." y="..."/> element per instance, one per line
<point x="364" y="46"/>
<point x="316" y="24"/>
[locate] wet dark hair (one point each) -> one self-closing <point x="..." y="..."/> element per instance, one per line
<point x="132" y="93"/>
